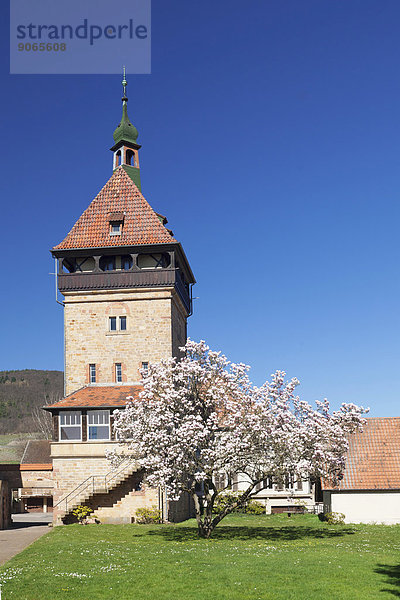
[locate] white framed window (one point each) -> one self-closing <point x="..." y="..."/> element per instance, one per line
<point x="92" y="373"/>
<point x="117" y="323"/>
<point x="70" y="425"/>
<point x="118" y="372"/>
<point x="98" y="424"/>
<point x="115" y="228"/>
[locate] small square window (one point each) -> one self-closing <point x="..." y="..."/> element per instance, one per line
<point x="145" y="368"/>
<point x="115" y="228"/>
<point x="118" y="372"/>
<point x="92" y="373"/>
<point x="122" y="323"/>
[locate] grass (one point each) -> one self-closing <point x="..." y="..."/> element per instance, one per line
<point x="250" y="558"/>
<point x="12" y="446"/>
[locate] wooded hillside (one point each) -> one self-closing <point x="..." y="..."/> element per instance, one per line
<point x="21" y="392"/>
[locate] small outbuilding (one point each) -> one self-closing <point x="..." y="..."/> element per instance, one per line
<point x="36" y="468"/>
<point x="370" y="489"/>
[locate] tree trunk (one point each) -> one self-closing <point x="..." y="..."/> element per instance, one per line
<point x="206" y="523"/>
<point x="203" y="508"/>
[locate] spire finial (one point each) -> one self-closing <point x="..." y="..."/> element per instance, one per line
<point x="124" y="84"/>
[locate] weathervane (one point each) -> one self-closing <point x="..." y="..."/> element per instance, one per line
<point x="124" y="84"/>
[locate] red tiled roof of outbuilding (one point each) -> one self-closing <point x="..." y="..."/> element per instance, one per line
<point x="373" y="458"/>
<point x="141" y="225"/>
<point x="93" y="396"/>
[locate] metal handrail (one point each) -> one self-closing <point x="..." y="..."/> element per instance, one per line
<point x="109" y="476"/>
<point x="91" y="481"/>
<point x="74" y="490"/>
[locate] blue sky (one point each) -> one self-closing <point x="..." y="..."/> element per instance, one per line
<point x="271" y="140"/>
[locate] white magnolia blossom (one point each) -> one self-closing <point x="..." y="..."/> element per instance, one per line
<point x="200" y="416"/>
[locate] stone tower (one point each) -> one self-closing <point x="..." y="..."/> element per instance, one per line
<point x="127" y="295"/>
<point x="125" y="279"/>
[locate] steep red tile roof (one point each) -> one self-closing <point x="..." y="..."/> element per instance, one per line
<point x="373" y="459"/>
<point x="113" y="396"/>
<point x="119" y="195"/>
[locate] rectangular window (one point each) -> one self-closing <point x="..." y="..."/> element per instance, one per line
<point x="115" y="228"/>
<point x="145" y="368"/>
<point x="118" y="372"/>
<point x="268" y="483"/>
<point x="235" y="483"/>
<point x="219" y="481"/>
<point x="108" y="264"/>
<point x="126" y="262"/>
<point x="112" y="323"/>
<point x="92" y="373"/>
<point x="122" y="323"/>
<point x="70" y="425"/>
<point x="98" y="424"/>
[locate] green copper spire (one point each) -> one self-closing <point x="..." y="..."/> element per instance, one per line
<point x="125" y="131"/>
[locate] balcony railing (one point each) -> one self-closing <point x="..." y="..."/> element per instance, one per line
<point x="107" y="280"/>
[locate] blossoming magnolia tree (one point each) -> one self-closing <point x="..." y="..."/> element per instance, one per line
<point x="200" y="416"/>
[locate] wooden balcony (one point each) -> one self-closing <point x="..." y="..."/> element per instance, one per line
<point x="111" y="280"/>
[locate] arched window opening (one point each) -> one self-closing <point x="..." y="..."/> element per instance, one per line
<point x="118" y="158"/>
<point x="130" y="158"/>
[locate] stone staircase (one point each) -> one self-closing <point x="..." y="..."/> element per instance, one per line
<point x="101" y="491"/>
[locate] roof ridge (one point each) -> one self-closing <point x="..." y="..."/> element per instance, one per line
<point x="26" y="448"/>
<point x="142" y="197"/>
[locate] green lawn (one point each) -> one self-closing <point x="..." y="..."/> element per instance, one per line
<point x="249" y="558"/>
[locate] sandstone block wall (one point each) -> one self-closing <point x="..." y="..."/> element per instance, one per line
<point x="37" y="479"/>
<point x="178" y="326"/>
<point x="156" y="326"/>
<point x="124" y="510"/>
<point x="75" y="462"/>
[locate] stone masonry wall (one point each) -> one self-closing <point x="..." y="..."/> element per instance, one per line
<point x="37" y="479"/>
<point x="178" y="325"/>
<point x="71" y="470"/>
<point x="151" y="318"/>
<point x="125" y="509"/>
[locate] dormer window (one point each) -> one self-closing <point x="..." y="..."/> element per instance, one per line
<point x="115" y="228"/>
<point x="116" y="220"/>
